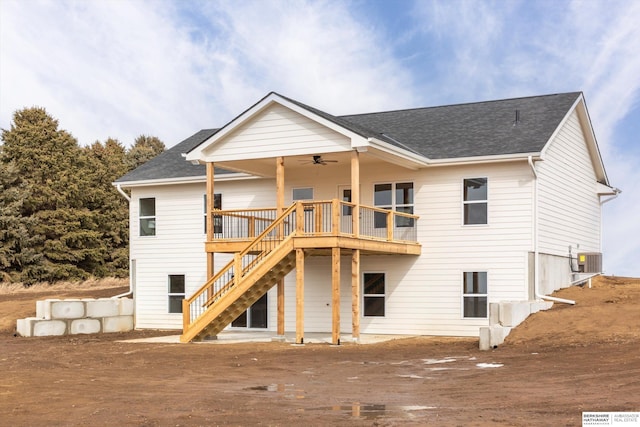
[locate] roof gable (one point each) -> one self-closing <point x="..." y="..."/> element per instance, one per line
<point x="207" y="148"/>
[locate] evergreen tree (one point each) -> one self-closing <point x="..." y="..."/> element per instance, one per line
<point x="49" y="163"/>
<point x="60" y="217"/>
<point x="110" y="210"/>
<point x="16" y="250"/>
<point x="144" y="148"/>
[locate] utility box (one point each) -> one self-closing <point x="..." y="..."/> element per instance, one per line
<point x="590" y="262"/>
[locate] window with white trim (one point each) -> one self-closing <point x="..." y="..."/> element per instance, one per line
<point x="217" y="219"/>
<point x="373" y="294"/>
<point x="393" y="196"/>
<point x="305" y="193"/>
<point x="474" y="289"/>
<point x="147" y="215"/>
<point x="176" y="292"/>
<point x="475" y="201"/>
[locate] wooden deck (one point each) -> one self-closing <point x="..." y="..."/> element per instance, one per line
<point x="267" y="247"/>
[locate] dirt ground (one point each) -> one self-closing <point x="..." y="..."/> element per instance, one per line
<point x="557" y="364"/>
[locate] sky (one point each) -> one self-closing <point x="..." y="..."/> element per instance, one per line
<point x="115" y="68"/>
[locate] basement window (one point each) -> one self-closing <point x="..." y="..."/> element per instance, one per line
<point x="176" y="292"/>
<point x="475" y="201"/>
<point x="474" y="297"/>
<point x="374" y="296"/>
<point x="148" y="216"/>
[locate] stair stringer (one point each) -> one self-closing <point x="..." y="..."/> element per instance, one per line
<point x="250" y="289"/>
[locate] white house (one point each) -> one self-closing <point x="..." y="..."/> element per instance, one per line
<point x="399" y="222"/>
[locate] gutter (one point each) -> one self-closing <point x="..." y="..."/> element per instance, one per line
<point x="121" y="191"/>
<point x="536" y="252"/>
<point x="130" y="292"/>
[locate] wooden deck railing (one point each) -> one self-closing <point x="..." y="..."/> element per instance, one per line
<point x="323" y="217"/>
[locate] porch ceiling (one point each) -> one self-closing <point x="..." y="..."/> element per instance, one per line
<point x="266" y="167"/>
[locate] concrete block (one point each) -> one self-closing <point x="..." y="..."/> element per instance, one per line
<point x="67" y="309"/>
<point x="24" y="327"/>
<point x="85" y="326"/>
<point x="40" y="309"/>
<point x="45" y="328"/>
<point x="117" y="324"/>
<point x="104" y="307"/>
<point x="126" y="306"/>
<point x="43" y="308"/>
<point x="512" y="313"/>
<point x="485" y="337"/>
<point x="492" y="336"/>
<point x="536" y="306"/>
<point x="494" y="313"/>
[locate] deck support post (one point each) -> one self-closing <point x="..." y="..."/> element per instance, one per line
<point x="279" y="210"/>
<point x="209" y="209"/>
<point x="335" y="293"/>
<point x="355" y="192"/>
<point x="355" y="295"/>
<point x="299" y="296"/>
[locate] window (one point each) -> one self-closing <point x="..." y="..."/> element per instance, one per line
<point x="398" y="197"/>
<point x="373" y="294"/>
<point x="176" y="292"/>
<point x="302" y="194"/>
<point x="148" y="217"/>
<point x="346" y="197"/>
<point x="217" y="219"/>
<point x="474" y="289"/>
<point x="475" y="201"/>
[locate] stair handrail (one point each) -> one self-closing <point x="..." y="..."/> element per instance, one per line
<point x="233" y="264"/>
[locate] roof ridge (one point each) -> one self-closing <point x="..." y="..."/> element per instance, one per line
<point x="457" y="105"/>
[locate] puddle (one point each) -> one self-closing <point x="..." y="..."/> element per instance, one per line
<point x="288" y="390"/>
<point x="372" y="411"/>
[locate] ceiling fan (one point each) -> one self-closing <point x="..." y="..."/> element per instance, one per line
<point x="318" y="160"/>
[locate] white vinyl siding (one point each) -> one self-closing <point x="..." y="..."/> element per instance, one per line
<point x="278" y="131"/>
<point x="180" y="245"/>
<point x="569" y="207"/>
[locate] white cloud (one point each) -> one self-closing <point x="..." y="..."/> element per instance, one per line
<point x="121" y="69"/>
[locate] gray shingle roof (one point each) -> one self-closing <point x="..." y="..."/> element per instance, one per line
<point x="171" y="164"/>
<point x="448" y="132"/>
<point x="475" y="129"/>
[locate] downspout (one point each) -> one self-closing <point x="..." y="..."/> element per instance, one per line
<point x="121" y="191"/>
<point x="130" y="291"/>
<point x="536" y="252"/>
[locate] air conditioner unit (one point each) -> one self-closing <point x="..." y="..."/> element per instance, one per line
<point x="590" y="262"/>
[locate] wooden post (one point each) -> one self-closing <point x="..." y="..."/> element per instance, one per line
<point x="279" y="210"/>
<point x="299" y="296"/>
<point x="186" y="315"/>
<point x="209" y="207"/>
<point x="237" y="268"/>
<point x="390" y="221"/>
<point x="335" y="217"/>
<point x="355" y="294"/>
<point x="355" y="192"/>
<point x="335" y="295"/>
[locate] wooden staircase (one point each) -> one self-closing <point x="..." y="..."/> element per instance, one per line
<point x="242" y="282"/>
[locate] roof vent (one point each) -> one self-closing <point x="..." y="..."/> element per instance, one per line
<point x="517" y="120"/>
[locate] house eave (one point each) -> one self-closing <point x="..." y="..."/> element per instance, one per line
<point x="183" y="180"/>
<point x="484" y="159"/>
